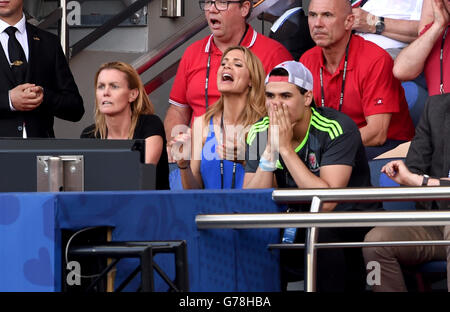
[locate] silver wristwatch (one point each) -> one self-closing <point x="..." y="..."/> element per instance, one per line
<point x="379" y="25"/>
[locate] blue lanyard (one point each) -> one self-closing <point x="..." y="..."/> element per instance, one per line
<point x="233" y="181"/>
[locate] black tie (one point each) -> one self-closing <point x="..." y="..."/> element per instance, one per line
<point x="16" y="56"/>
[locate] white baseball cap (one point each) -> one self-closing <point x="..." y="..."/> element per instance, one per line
<point x="298" y="75"/>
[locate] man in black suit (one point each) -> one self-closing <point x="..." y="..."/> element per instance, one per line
<point x="36" y="83"/>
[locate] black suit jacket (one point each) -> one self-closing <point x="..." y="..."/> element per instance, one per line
<point x="48" y="68"/>
<point x="429" y="152"/>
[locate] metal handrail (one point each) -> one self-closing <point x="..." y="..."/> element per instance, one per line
<point x="403" y="193"/>
<point x="333" y="219"/>
<point x="364" y="244"/>
<point x="60" y="13"/>
<point x="325" y="219"/>
<point x="107" y="26"/>
<point x="64" y="33"/>
<point x="52" y="18"/>
<point x="314" y="220"/>
<point x="145" y="62"/>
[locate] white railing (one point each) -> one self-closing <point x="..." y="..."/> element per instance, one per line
<point x="64" y="29"/>
<point x="312" y="220"/>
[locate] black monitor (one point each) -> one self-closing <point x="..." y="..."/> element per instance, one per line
<point x="107" y="164"/>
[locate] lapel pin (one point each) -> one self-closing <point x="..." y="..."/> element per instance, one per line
<point x="36" y="38"/>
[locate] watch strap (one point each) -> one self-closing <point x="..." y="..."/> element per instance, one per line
<point x="379" y="25"/>
<point x="425" y="180"/>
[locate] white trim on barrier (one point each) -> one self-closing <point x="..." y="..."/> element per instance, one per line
<point x="313" y="219"/>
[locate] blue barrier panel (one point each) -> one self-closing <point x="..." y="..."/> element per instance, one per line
<point x="27" y="248"/>
<point x="219" y="260"/>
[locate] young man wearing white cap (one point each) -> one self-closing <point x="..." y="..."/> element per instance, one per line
<point x="318" y="147"/>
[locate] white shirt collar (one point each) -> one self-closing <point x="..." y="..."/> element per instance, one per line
<point x="20" y="25"/>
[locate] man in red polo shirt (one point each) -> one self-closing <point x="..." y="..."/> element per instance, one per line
<point x="355" y="76"/>
<point x="424" y="53"/>
<point x="195" y="85"/>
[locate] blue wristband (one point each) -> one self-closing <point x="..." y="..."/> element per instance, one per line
<point x="267" y="165"/>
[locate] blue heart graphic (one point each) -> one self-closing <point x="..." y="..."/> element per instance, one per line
<point x="39" y="271"/>
<point x="9" y="209"/>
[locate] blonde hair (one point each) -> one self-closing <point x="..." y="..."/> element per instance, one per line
<point x="256" y="99"/>
<point x="140" y="106"/>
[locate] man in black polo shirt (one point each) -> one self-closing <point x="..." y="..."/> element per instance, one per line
<point x="317" y="148"/>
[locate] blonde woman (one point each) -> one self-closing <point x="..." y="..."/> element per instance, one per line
<point x="217" y="164"/>
<point x="124" y="111"/>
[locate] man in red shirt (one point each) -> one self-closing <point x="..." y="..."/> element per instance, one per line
<point x="355" y="76"/>
<point x="424" y="53"/>
<point x="195" y="85"/>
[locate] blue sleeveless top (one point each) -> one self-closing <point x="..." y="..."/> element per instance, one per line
<point x="210" y="166"/>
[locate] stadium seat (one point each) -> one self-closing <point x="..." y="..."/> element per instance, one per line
<point x="416" y="96"/>
<point x="379" y="179"/>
